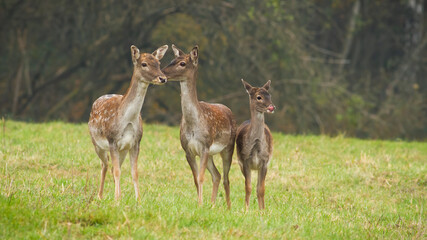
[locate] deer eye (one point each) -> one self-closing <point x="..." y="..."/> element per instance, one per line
<point x="259" y="97"/>
<point x="144" y="64"/>
<point x="182" y="64"/>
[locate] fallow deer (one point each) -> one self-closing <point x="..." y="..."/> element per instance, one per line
<point x="206" y="129"/>
<point x="115" y="123"/>
<point x="254" y="143"/>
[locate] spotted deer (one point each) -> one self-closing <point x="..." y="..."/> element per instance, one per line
<point x="206" y="129"/>
<point x="254" y="143"/>
<point x="115" y="123"/>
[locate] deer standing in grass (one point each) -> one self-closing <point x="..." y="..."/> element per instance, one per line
<point x="206" y="129"/>
<point x="115" y="122"/>
<point x="254" y="143"/>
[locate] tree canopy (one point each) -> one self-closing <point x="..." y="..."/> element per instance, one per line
<point x="353" y="66"/>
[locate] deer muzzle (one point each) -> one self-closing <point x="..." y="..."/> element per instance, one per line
<point x="160" y="80"/>
<point x="271" y="108"/>
<point x="163" y="79"/>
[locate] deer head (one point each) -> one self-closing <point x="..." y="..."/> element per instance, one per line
<point x="259" y="98"/>
<point x="147" y="66"/>
<point x="183" y="66"/>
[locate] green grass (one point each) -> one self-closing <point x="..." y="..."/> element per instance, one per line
<point x="317" y="187"/>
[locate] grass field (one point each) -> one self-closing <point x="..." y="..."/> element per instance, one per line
<point x="317" y="187"/>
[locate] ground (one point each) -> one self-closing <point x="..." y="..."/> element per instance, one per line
<point x="317" y="187"/>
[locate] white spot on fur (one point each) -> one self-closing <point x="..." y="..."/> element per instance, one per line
<point x="195" y="146"/>
<point x="216" y="148"/>
<point x="255" y="161"/>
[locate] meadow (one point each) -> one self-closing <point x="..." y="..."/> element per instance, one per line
<point x="317" y="187"/>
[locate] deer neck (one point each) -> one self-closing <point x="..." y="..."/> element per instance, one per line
<point x="189" y="102"/>
<point x="257" y="124"/>
<point x="133" y="100"/>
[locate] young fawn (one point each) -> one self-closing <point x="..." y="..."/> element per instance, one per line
<point x="254" y="143"/>
<point x="115" y="122"/>
<point x="206" y="129"/>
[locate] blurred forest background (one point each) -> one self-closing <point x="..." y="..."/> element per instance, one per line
<point x="357" y="67"/>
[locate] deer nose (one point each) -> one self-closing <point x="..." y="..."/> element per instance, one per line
<point x="163" y="79"/>
<point x="271" y="108"/>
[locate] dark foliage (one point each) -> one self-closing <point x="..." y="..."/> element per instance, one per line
<point x="355" y="66"/>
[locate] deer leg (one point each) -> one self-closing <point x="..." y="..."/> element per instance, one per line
<point x="115" y="160"/>
<point x="216" y="178"/>
<point x="122" y="157"/>
<point x="203" y="164"/>
<point x="133" y="157"/>
<point x="262" y="173"/>
<point x="191" y="159"/>
<point x="248" y="188"/>
<point x="226" y="164"/>
<point x="103" y="155"/>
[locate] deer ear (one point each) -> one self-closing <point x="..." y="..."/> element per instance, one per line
<point x="267" y="85"/>
<point x="194" y="55"/>
<point x="178" y="52"/>
<point x="247" y="86"/>
<point x="135" y="53"/>
<point x="160" y="52"/>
